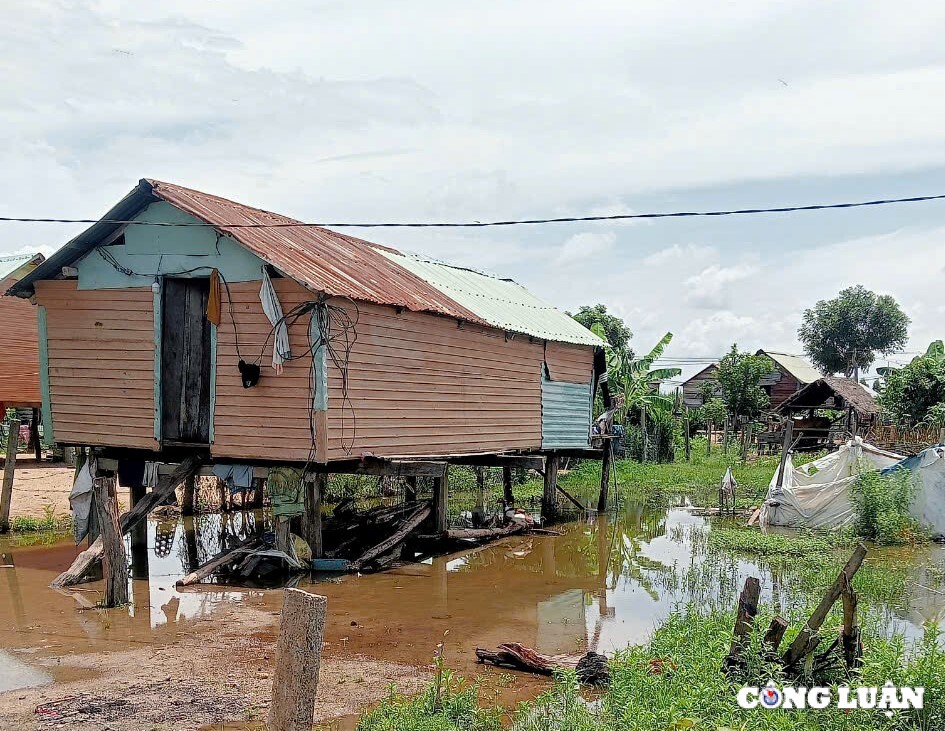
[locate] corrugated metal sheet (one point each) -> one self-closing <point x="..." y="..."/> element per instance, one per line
<point x="797" y="366"/>
<point x="565" y="415"/>
<point x="501" y="303"/>
<point x="339" y="265"/>
<point x="13" y="264"/>
<point x="323" y="260"/>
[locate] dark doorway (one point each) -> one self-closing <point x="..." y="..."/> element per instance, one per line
<point x="185" y="362"/>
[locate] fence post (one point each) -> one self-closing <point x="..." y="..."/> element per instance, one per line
<point x="549" y="498"/>
<point x="9" y="467"/>
<point x="298" y="657"/>
<point x="785" y="449"/>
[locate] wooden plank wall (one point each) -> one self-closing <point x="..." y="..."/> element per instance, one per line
<point x="421" y="385"/>
<point x="19" y="351"/>
<point x="270" y="420"/>
<point x="571" y="363"/>
<point x="101" y="364"/>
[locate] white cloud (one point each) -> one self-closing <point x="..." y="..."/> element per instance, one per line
<point x="712" y="287"/>
<point x="679" y="253"/>
<point x="585" y="247"/>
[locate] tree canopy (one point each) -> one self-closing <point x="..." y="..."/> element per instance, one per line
<point x="844" y="334"/>
<point x="739" y="376"/>
<point x="915" y="393"/>
<point x="615" y="330"/>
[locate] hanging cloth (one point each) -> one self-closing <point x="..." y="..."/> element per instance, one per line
<point x="270" y="304"/>
<point x="214" y="301"/>
<point x="81" y="499"/>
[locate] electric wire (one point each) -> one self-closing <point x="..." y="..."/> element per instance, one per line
<point x="487" y="224"/>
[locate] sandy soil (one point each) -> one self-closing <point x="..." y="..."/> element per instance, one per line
<point x="210" y="676"/>
<point x="37" y="485"/>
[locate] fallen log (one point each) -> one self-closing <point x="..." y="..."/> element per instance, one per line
<point x="386" y="546"/>
<point x="518" y="657"/>
<point x="478" y="534"/>
<point x="223" y="558"/>
<point x="81" y="568"/>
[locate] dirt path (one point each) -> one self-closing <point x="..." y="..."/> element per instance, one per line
<point x="218" y="672"/>
<point x="37" y="485"/>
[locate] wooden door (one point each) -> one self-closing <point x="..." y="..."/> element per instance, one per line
<point x="185" y="362"/>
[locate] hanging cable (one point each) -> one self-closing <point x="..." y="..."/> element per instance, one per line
<point x="486" y="224"/>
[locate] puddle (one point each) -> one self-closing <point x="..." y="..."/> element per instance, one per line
<point x="603" y="585"/>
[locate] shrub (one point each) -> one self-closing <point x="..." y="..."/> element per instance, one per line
<point x="883" y="507"/>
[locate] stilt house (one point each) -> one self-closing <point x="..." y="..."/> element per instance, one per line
<point x="19" y="350"/>
<point x="162" y="341"/>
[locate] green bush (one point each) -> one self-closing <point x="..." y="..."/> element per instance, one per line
<point x="883" y="507"/>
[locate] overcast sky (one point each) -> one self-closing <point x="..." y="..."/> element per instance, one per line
<point x="472" y="111"/>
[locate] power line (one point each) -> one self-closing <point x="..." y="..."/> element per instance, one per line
<point x="486" y="224"/>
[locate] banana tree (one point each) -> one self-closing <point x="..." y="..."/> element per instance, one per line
<point x="635" y="382"/>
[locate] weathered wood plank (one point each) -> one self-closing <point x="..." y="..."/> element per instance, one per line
<point x="114" y="560"/>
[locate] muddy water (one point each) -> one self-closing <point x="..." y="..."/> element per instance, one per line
<point x="603" y="585"/>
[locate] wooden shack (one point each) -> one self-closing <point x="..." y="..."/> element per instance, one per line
<point x="146" y="317"/>
<point x="791" y="373"/>
<point x="852" y="404"/>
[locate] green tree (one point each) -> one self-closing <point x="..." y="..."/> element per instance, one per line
<point x="635" y="381"/>
<point x="916" y="392"/>
<point x="845" y="334"/>
<point x="615" y="330"/>
<point x="713" y="411"/>
<point x="738" y="377"/>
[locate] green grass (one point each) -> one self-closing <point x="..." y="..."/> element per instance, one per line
<point x="688" y="690"/>
<point x="752" y="542"/>
<point x="697" y="479"/>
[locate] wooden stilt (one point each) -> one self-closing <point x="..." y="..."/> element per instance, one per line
<point x="85" y="561"/>
<point x="605" y="476"/>
<point x="441" y="489"/>
<point x="312" y="517"/>
<point x="35" y="441"/>
<point x="507" y="486"/>
<point x="9" y="467"/>
<point x="549" y="498"/>
<point x="114" y="561"/>
<point x="187" y="501"/>
<point x="298" y="657"/>
<point x="139" y="537"/>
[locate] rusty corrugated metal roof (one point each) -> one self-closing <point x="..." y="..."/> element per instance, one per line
<point x="324" y="260"/>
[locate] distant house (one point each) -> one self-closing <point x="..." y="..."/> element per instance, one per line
<point x="692" y="389"/>
<point x="791" y="373"/>
<point x="843" y="396"/>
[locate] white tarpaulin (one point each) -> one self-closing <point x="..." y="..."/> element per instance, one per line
<point x="928" y="506"/>
<point x="817" y="495"/>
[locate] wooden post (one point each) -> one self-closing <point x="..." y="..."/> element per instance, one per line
<point x="725" y="430"/>
<point x="187" y="502"/>
<point x="747" y="611"/>
<point x="850" y="637"/>
<point x="798" y="648"/>
<point x="410" y="488"/>
<point x="646" y="441"/>
<point x="441" y="491"/>
<point x="507" y="485"/>
<point x="298" y="657"/>
<point x="708" y="433"/>
<point x="480" y="488"/>
<point x="549" y="498"/>
<point x="34" y="436"/>
<point x="9" y="467"/>
<point x="139" y="537"/>
<point x="775" y="634"/>
<point x="312" y="517"/>
<point x="114" y="561"/>
<point x="688" y="437"/>
<point x="605" y="476"/>
<point x="786" y="449"/>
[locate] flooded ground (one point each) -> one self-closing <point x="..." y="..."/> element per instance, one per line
<point x="603" y="585"/>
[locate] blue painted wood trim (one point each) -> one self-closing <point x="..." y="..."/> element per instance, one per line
<point x="158" y="317"/>
<point x="213" y="375"/>
<point x="48" y="436"/>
